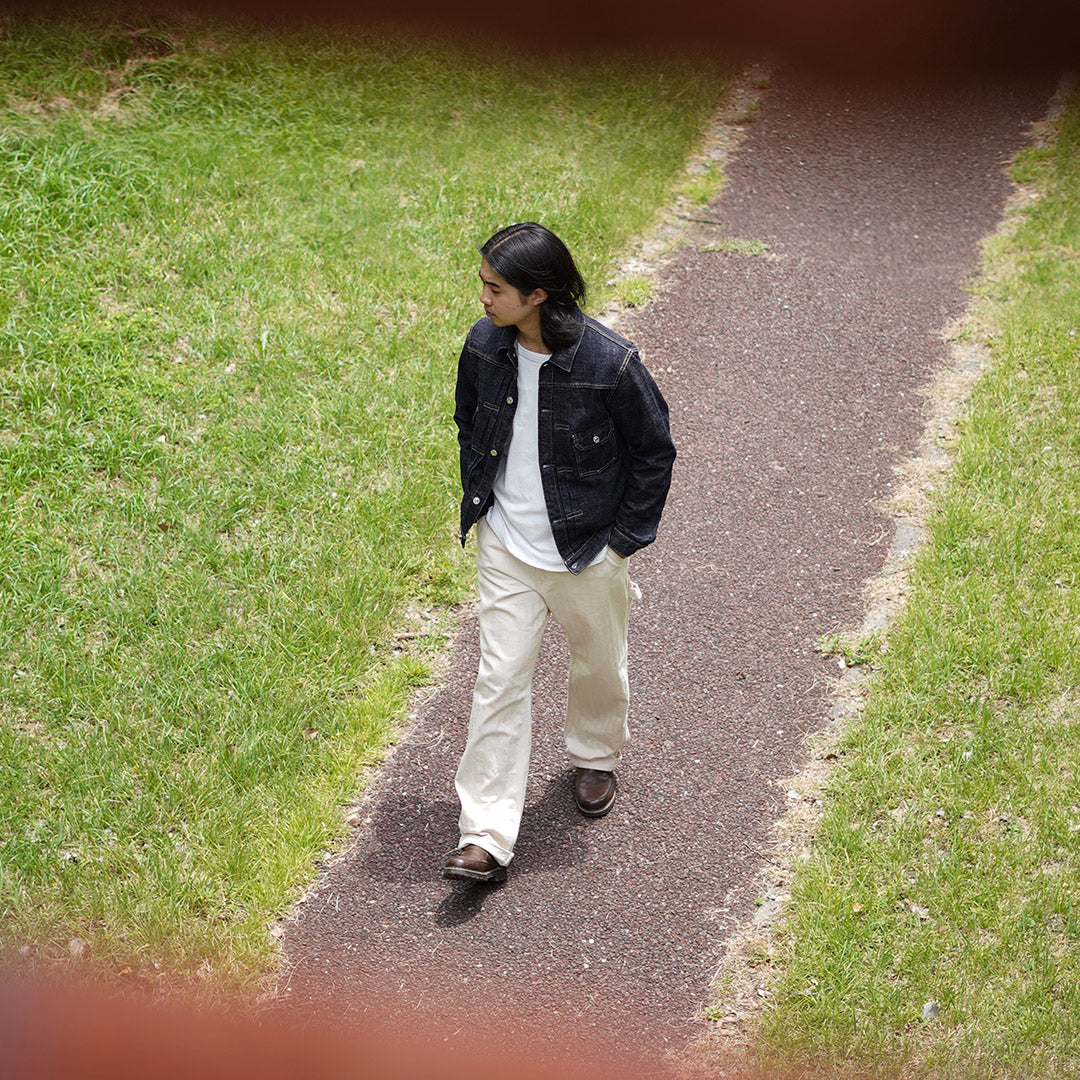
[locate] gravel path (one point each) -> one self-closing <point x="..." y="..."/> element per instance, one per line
<point x="794" y="384"/>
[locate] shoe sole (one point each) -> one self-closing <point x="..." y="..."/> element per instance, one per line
<point x="459" y="873"/>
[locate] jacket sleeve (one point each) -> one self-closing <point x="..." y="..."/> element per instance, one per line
<point x="640" y="414"/>
<point x="465" y="394"/>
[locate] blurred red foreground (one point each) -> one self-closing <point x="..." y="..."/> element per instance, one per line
<point x="49" y="1034"/>
<point x="78" y="1035"/>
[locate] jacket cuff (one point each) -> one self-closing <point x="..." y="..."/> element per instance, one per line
<point x="623" y="543"/>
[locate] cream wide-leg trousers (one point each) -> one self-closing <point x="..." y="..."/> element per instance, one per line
<point x="516" y="600"/>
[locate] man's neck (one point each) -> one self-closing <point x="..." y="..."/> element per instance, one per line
<point x="529" y="336"/>
<point x="533" y="346"/>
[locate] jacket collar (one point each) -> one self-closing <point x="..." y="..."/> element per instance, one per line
<point x="561" y="358"/>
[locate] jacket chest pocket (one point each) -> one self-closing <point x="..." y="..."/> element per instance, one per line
<point x="595" y="449"/>
<point x="486" y="424"/>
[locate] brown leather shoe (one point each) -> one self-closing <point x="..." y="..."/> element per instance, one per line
<point x="473" y="863"/>
<point x="594" y="791"/>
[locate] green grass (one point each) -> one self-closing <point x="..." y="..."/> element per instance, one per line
<point x="235" y="269"/>
<point x="945" y="867"/>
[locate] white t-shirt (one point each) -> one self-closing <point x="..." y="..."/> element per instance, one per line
<point x="519" y="517"/>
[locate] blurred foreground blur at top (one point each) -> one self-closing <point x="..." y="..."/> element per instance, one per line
<point x="895" y="38"/>
<point x="865" y="37"/>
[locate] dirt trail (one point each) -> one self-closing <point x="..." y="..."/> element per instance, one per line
<point x="794" y="378"/>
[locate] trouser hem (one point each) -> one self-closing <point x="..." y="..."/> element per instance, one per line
<point x="602" y="765"/>
<point x="502" y="856"/>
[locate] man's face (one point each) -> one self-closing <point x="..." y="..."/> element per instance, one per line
<point x="503" y="304"/>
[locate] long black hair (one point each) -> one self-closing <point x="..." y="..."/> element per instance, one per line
<point x="531" y="257"/>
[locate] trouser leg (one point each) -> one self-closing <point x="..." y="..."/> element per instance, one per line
<point x="593" y="610"/>
<point x="494" y="768"/>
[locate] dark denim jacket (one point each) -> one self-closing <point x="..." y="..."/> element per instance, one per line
<point x="605" y="445"/>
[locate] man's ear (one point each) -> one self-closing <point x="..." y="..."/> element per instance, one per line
<point x="537" y="297"/>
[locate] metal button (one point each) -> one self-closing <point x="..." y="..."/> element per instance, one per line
<point x="494" y="453"/>
<point x="509" y="401"/>
<point x="476" y="500"/>
<point x="596" y="438"/>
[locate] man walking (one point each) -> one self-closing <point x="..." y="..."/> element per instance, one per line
<point x="566" y="460"/>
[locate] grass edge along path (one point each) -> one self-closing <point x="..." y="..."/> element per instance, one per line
<point x="932" y="929"/>
<point x="237" y="265"/>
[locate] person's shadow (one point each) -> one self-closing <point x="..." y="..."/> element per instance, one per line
<point x="552" y="837"/>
